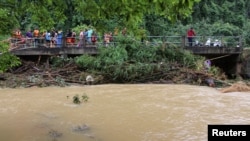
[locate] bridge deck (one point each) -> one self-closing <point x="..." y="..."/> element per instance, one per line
<point x="56" y="51"/>
<point x="215" y="50"/>
<point x="93" y="50"/>
<point x="29" y="47"/>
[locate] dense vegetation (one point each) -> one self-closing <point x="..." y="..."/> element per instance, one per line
<point x="7" y="60"/>
<point x="47" y="14"/>
<point x="127" y="61"/>
<point x="157" y="17"/>
<point x="66" y="14"/>
<point x="130" y="61"/>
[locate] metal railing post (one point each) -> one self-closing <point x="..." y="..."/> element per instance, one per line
<point x="240" y="41"/>
<point x="221" y="39"/>
<point x="183" y="38"/>
<point x="64" y="42"/>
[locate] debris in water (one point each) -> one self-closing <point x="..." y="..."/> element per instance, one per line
<point x="54" y="134"/>
<point x="237" y="87"/>
<point x="81" y="128"/>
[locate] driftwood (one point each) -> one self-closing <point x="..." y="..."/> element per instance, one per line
<point x="31" y="74"/>
<point x="236" y="87"/>
<point x="44" y="74"/>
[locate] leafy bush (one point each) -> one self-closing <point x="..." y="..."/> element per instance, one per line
<point x="57" y="61"/>
<point x="7" y="60"/>
<point x="130" y="60"/>
<point x="78" y="28"/>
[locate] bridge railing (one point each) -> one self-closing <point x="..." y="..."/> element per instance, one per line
<point x="18" y="43"/>
<point x="170" y="40"/>
<point x="216" y="41"/>
<point x="179" y="41"/>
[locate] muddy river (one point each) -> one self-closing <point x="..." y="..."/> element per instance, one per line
<point x="113" y="112"/>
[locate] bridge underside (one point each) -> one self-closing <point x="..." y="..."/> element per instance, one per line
<point x="223" y="57"/>
<point x="228" y="63"/>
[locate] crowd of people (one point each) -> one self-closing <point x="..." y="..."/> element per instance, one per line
<point x="89" y="36"/>
<point x="33" y="38"/>
<point x="55" y="38"/>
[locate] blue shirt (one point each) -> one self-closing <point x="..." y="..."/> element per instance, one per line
<point x="90" y="33"/>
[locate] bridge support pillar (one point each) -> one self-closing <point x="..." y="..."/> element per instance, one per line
<point x="238" y="69"/>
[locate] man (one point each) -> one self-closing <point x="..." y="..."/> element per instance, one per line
<point x="89" y="34"/>
<point x="36" y="35"/>
<point x="48" y="38"/>
<point x="190" y="36"/>
<point x="28" y="37"/>
<point x="81" y="39"/>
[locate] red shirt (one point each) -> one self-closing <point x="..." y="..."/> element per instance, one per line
<point x="190" y="33"/>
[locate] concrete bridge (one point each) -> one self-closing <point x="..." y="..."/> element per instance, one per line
<point x="92" y="49"/>
<point x="229" y="45"/>
<point x="76" y="51"/>
<point x="225" y="55"/>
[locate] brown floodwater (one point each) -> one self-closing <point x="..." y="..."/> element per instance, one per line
<point x="141" y="112"/>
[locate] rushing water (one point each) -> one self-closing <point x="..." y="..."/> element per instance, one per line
<point x="118" y="113"/>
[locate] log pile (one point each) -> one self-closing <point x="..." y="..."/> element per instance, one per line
<point x="30" y="74"/>
<point x="42" y="75"/>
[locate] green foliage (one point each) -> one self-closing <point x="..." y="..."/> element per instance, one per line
<point x="111" y="57"/>
<point x="4" y="45"/>
<point x="130" y="60"/>
<point x="7" y="60"/>
<point x="218" y="28"/>
<point x="83" y="27"/>
<point x="177" y="54"/>
<point x="85" y="98"/>
<point x="47" y="14"/>
<point x="214" y="70"/>
<point x="78" y="100"/>
<point x="57" y="61"/>
<point x="246" y="32"/>
<point x="188" y="59"/>
<point x="6" y="23"/>
<point x="86" y="61"/>
<point x="228" y="10"/>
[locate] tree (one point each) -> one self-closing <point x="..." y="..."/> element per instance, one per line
<point x="7" y="18"/>
<point x="47" y="14"/>
<point x="130" y="13"/>
<point x="7" y="60"/>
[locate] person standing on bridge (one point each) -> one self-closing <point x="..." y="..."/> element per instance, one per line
<point x="36" y="36"/>
<point x="190" y="36"/>
<point x="81" y="39"/>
